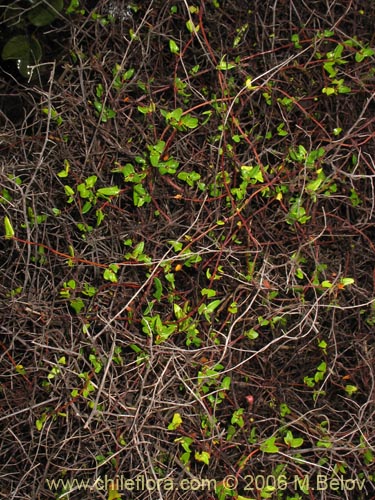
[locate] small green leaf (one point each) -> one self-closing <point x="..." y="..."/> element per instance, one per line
<point x="328" y="90"/>
<point x="110" y="276"/>
<point x="351" y="389"/>
<point x="347" y="281"/>
<point x="40" y="422"/>
<point x="77" y="305"/>
<point x="212" y="306"/>
<point x="323" y="344"/>
<point x="202" y="457"/>
<point x="20" y="369"/>
<point x="98" y="106"/>
<point x="191" y="27"/>
<point x="108" y="191"/>
<point x="322" y="367"/>
<point x="86" y="207"/>
<point x="284" y="410"/>
<point x="190" y="122"/>
<point x="295" y="40"/>
<point x="269" y="446"/>
<point x="128" y="74"/>
<point x="158" y="289"/>
<point x="178" y="311"/>
<point x="251" y="334"/>
<point x="292" y="441"/>
<point x="363" y="53"/>
<point x="185" y="443"/>
<point x="65" y="172"/>
<point x="69" y="192"/>
<point x="176" y="422"/>
<point x="225" y="384"/>
<point x="326" y="284"/>
<point x="233" y="308"/>
<point x="324" y="444"/>
<point x="343" y="89"/>
<point x="9" y="231"/>
<point x="176" y="245"/>
<point x="237" y="417"/>
<point x="313" y="186"/>
<point x="224" y="65"/>
<point x="173" y="47"/>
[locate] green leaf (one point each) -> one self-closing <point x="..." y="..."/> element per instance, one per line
<point x="324" y="444"/>
<point x="110" y="276"/>
<point x="176" y="422"/>
<point x="251" y="173"/>
<point x="202" y="457"/>
<point x="343" y="89"/>
<point x="292" y="441"/>
<point x="65" y="172"/>
<point x="158" y="289"/>
<point x="99" y="216"/>
<point x="128" y="74"/>
<point x="314" y="185"/>
<point x="322" y="367"/>
<point x="17" y="47"/>
<point x="84" y="192"/>
<point x="251" y="334"/>
<point x="326" y="284"/>
<point x="109" y="191"/>
<point x="363" y="53"/>
<point x="40" y="422"/>
<point x="351" y="389"/>
<point x="98" y="106"/>
<point x="173" y="47"/>
<point x="91" y="181"/>
<point x="212" y="306"/>
<point x="284" y="410"/>
<point x="323" y="344"/>
<point x="77" y="305"/>
<point x="140" y="196"/>
<point x="9" y="231"/>
<point x="190" y="26"/>
<point x="225" y="66"/>
<point x="269" y="446"/>
<point x="176" y="245"/>
<point x="347" y="281"/>
<point x="185" y="443"/>
<point x="225" y="384"/>
<point x="27" y="51"/>
<point x="237" y="417"/>
<point x="190" y="122"/>
<point x="154" y="158"/>
<point x="328" y="90"/>
<point x="178" y="311"/>
<point x="138" y="249"/>
<point x="86" y="207"/>
<point x="295" y="40"/>
<point x="174" y="115"/>
<point x="44" y="13"/>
